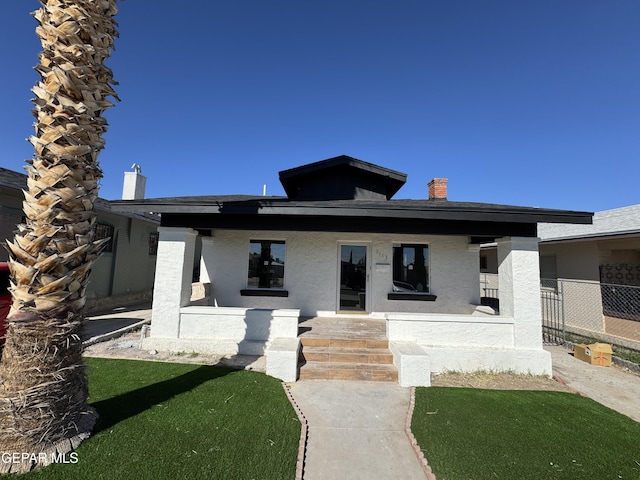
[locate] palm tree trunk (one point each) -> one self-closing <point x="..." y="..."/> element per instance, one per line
<point x="43" y="388"/>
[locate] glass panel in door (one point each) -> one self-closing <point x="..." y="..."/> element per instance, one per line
<point x="353" y="278"/>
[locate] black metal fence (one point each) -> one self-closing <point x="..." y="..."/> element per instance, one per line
<point x="621" y="301"/>
<point x="552" y="305"/>
<point x="576" y="309"/>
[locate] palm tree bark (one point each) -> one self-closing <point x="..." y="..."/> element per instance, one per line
<point x="43" y="387"/>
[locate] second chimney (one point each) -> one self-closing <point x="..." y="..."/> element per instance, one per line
<point x="134" y="184"/>
<point x="438" y="188"/>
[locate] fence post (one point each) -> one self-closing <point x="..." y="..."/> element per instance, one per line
<point x="561" y="299"/>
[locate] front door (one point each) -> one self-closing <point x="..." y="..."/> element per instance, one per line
<point x="352" y="288"/>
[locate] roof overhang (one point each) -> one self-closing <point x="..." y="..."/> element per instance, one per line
<point x="482" y="221"/>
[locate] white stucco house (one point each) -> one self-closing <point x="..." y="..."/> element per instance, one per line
<point x="339" y="244"/>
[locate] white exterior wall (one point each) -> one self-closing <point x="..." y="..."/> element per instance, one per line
<point x="311" y="271"/>
<point x="446" y="334"/>
<point x="510" y="341"/>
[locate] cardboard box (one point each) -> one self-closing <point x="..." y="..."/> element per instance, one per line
<point x="595" y="354"/>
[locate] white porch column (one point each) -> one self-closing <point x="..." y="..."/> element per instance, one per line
<point x="519" y="289"/>
<point x="206" y="260"/>
<point x="174" y="272"/>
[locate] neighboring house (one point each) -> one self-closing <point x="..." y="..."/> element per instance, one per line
<point x="606" y="251"/>
<point x="338" y="244"/>
<point x="594" y="271"/>
<point x="124" y="273"/>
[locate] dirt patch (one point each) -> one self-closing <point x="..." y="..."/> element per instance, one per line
<point x="127" y="347"/>
<point x="498" y="381"/>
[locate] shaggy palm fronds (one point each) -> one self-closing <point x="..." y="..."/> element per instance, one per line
<point x="52" y="254"/>
<point x="43" y="387"/>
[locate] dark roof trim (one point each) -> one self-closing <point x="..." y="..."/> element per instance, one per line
<point x="340" y="161"/>
<point x="489" y="231"/>
<point x="592" y="237"/>
<point x="406" y="209"/>
<point x="320" y="180"/>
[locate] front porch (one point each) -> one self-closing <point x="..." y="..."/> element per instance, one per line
<point x="444" y="334"/>
<point x="401" y="347"/>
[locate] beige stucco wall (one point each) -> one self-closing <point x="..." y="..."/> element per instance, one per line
<point x="580" y="260"/>
<point x="124" y="275"/>
<point x="128" y="269"/>
<point x="311" y="272"/>
<point x="620" y="250"/>
<point x="576" y="260"/>
<point x="10" y="215"/>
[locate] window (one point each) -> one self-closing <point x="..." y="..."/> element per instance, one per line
<point x="266" y="264"/>
<point x="410" y="268"/>
<point x="484" y="262"/>
<point x="153" y="243"/>
<point x="104" y="231"/>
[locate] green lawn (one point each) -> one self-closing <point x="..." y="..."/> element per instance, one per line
<point x="489" y="434"/>
<point x="175" y="421"/>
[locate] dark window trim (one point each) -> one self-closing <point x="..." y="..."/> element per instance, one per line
<point x="251" y="285"/>
<point x="421" y="297"/>
<point x="102" y="231"/>
<point x="397" y="268"/>
<point x="263" y="292"/>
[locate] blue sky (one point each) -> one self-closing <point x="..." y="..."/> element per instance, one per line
<point x="533" y="103"/>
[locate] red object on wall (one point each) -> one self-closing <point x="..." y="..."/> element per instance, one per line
<point x="5" y="299"/>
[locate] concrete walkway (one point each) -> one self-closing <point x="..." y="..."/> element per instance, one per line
<point x="356" y="430"/>
<point x="100" y="326"/>
<point x="611" y="386"/>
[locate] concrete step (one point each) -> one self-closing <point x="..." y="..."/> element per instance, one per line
<point x="343" y="342"/>
<point x="348" y="371"/>
<point x="347" y="355"/>
<point x="345" y="348"/>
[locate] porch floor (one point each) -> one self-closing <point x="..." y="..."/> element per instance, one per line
<point x="346" y="328"/>
<point x="345" y="348"/>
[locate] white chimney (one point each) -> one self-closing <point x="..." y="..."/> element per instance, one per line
<point x="134" y="184"/>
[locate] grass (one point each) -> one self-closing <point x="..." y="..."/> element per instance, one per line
<point x="175" y="421"/>
<point x="492" y="434"/>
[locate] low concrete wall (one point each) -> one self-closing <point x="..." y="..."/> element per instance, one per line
<point x="413" y="364"/>
<point x="228" y="330"/>
<point x="468" y="343"/>
<point x="451" y="330"/>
